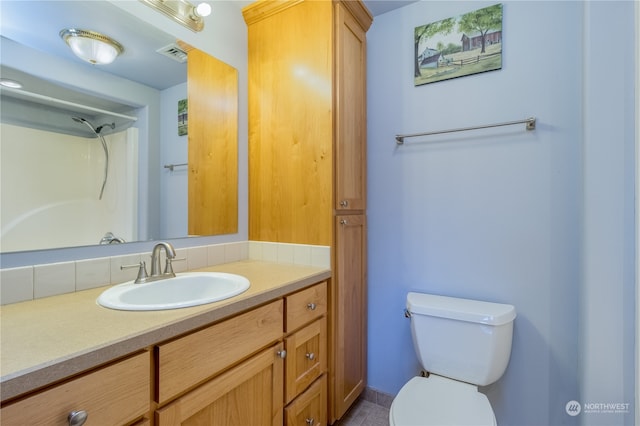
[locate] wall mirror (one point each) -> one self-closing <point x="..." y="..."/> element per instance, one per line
<point x="85" y="165"/>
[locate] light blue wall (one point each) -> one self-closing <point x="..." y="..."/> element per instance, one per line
<point x="499" y="214"/>
<point x="608" y="294"/>
<point x="174" y="198"/>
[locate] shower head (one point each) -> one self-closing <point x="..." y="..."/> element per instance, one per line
<point x="95" y="130"/>
<point x="104" y="147"/>
<point x="83" y="120"/>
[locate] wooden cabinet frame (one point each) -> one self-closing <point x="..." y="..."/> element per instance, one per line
<point x="307" y="155"/>
<point x="350" y="313"/>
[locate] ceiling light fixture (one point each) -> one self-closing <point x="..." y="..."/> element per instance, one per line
<point x="182" y="11"/>
<point x="203" y="9"/>
<point x="12" y="84"/>
<point x="91" y="46"/>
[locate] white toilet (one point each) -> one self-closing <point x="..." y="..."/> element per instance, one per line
<point x="462" y="344"/>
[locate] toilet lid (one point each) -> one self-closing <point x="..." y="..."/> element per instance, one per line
<point x="440" y="401"/>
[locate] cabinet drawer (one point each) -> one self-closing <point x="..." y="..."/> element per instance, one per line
<point x="113" y="395"/>
<point x="310" y="408"/>
<point x="306" y="305"/>
<point x="185" y="362"/>
<point x="306" y="357"/>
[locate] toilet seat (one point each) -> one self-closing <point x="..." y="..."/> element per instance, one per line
<point x="440" y="401"/>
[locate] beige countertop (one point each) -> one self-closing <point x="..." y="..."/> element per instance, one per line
<point x="46" y="340"/>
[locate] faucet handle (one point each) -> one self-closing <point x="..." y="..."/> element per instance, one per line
<point x="142" y="271"/>
<point x="168" y="267"/>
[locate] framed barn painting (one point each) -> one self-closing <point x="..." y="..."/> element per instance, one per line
<point x="456" y="47"/>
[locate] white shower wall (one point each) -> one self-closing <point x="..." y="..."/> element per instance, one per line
<point x="50" y="186"/>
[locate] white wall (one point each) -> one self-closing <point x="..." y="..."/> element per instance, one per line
<point x="51" y="183"/>
<point x="498" y="214"/>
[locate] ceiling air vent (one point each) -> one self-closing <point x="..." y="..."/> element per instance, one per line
<point x="174" y="52"/>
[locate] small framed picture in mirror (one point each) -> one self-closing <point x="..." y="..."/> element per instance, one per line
<point x="182" y="117"/>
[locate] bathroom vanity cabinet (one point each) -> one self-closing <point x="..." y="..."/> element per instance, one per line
<point x="117" y="394"/>
<point x="273" y="363"/>
<point x="307" y="157"/>
<point x="264" y="366"/>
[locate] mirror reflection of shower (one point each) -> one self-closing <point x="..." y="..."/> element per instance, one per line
<point x="97" y="131"/>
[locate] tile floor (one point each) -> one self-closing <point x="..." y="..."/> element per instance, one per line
<point x="365" y="413"/>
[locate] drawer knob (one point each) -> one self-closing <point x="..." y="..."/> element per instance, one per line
<point x="282" y="354"/>
<point x="344" y="203"/>
<point x="311" y="356"/>
<point x="77" y="418"/>
<point x="310" y="421"/>
<point x="311" y="306"/>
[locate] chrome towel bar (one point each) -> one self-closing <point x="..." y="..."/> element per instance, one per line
<point x="173" y="166"/>
<point x="530" y="124"/>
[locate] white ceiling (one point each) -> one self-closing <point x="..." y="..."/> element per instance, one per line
<point x="378" y="7"/>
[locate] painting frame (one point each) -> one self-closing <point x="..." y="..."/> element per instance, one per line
<point x="183" y="117"/>
<point x="463" y="45"/>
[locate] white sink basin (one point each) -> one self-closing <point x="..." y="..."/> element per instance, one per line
<point x="187" y="289"/>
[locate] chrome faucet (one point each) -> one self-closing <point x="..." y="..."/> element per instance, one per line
<point x="109" y="238"/>
<point x="156" y="271"/>
<point x="155" y="261"/>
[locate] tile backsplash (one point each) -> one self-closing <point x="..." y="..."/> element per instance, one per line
<point x="34" y="282"/>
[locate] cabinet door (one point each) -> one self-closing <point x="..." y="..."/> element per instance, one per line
<point x="350" y="312"/>
<point x="249" y="394"/>
<point x="306" y="357"/>
<point x="310" y="408"/>
<point x="350" y="143"/>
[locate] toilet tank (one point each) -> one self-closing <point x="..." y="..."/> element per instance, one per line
<point x="463" y="339"/>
